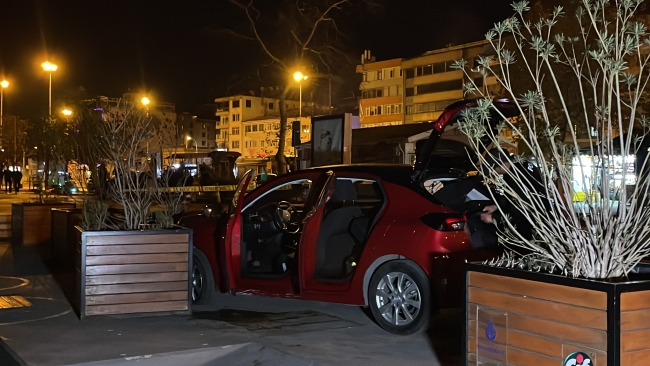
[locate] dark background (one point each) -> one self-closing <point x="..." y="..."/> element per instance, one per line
<point x="173" y="50"/>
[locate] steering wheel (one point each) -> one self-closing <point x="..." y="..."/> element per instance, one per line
<point x="282" y="217"/>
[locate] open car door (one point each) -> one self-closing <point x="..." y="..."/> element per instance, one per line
<point x="234" y="231"/>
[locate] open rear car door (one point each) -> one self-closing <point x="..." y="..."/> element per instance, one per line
<point x="233" y="233"/>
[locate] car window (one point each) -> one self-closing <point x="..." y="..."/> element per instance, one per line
<point x="367" y="191"/>
<point x="294" y="192"/>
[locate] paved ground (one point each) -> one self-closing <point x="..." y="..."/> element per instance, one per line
<point x="232" y="330"/>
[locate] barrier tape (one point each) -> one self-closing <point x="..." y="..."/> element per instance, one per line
<point x="192" y="189"/>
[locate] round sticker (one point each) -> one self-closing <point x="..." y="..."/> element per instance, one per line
<point x="578" y="359"/>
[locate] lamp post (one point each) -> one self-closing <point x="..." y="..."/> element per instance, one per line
<point x="50" y="68"/>
<point x="196" y="145"/>
<point x="145" y="101"/>
<point x="4" y="84"/>
<point x="299" y="77"/>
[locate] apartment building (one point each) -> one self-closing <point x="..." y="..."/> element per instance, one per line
<point x="195" y="132"/>
<point x="261" y="135"/>
<point x="381" y="102"/>
<point x="232" y="111"/>
<point x="431" y="84"/>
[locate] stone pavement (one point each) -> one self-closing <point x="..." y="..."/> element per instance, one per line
<point x="232" y="330"/>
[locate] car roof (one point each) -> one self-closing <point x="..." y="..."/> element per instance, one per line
<point x="394" y="173"/>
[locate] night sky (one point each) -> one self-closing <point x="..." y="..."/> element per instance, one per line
<point x="174" y="51"/>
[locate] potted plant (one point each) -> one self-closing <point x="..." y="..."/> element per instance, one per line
<point x="132" y="258"/>
<point x="568" y="294"/>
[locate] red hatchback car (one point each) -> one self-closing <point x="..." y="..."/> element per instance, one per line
<point x="367" y="235"/>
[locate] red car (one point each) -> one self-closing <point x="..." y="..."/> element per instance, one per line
<point x="367" y="235"/>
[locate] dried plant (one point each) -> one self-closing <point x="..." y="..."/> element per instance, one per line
<point x="596" y="237"/>
<point x="95" y="215"/>
<point x="124" y="135"/>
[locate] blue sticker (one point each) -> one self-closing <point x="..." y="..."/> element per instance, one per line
<point x="490" y="332"/>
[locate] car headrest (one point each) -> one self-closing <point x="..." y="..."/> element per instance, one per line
<point x="344" y="190"/>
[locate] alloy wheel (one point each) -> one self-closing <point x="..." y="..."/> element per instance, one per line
<point x="197" y="282"/>
<point x="398" y="298"/>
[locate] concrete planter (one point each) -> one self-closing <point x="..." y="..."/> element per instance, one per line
<point x="31" y="222"/>
<point x="516" y="317"/>
<point x="133" y="272"/>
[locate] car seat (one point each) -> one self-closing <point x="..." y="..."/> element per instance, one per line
<point x="335" y="239"/>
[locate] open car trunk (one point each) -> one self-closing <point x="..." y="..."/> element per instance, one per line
<point x="447" y="153"/>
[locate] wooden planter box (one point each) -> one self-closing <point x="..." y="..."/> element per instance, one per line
<point x="31" y="222"/>
<point x="64" y="234"/>
<point x="519" y="317"/>
<point x="132" y="272"/>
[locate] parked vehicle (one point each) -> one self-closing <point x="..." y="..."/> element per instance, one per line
<point x="367" y="235"/>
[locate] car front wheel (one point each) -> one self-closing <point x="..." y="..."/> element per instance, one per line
<point x="399" y="297"/>
<point x="202" y="280"/>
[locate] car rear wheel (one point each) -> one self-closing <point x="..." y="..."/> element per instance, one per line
<point x="202" y="279"/>
<point x="399" y="297"/>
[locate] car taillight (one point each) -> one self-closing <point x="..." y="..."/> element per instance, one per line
<point x="444" y="222"/>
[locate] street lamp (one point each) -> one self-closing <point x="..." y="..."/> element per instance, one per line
<point x="196" y="144"/>
<point x="299" y="77"/>
<point x="49" y="67"/>
<point x="4" y="84"/>
<point x="145" y="101"/>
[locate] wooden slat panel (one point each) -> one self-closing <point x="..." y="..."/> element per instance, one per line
<point x="5" y="226"/>
<point x="635" y="320"/>
<point x="136" y="308"/>
<point x="136" y="278"/>
<point x="635" y="341"/>
<point x="635" y="300"/>
<point x="533" y="343"/>
<point x="136" y="298"/>
<point x="471" y="344"/>
<point x="5" y="219"/>
<point x="518" y="357"/>
<point x="471" y="328"/>
<point x="135" y="258"/>
<point x="136" y="287"/>
<point x="592" y="338"/>
<point x="136" y="239"/>
<point x="135" y="249"/>
<point x="547" y="291"/>
<point x="136" y="268"/>
<point x="635" y="358"/>
<point x="540" y="308"/>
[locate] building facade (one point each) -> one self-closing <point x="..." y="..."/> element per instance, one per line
<point x="382" y="89"/>
<point x="261" y="136"/>
<point x="193" y="131"/>
<point x="431" y="84"/>
<point x="232" y="111"/>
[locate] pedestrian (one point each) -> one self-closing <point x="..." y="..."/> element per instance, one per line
<point x="7" y="176"/>
<point x="522" y="179"/>
<point x="467" y="194"/>
<point x="17" y="178"/>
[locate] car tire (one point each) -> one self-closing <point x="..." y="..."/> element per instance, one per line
<point x="399" y="297"/>
<point x="202" y="279"/>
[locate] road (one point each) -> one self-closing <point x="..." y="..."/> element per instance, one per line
<point x="266" y="330"/>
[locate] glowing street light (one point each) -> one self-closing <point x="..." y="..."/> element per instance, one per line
<point x="4" y="84"/>
<point x="50" y="68"/>
<point x="66" y="112"/>
<point x="299" y="77"/>
<point x="145" y="101"/>
<point x="196" y="144"/>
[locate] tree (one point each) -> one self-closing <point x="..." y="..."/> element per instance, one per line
<point x="606" y="235"/>
<point x="300" y="36"/>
